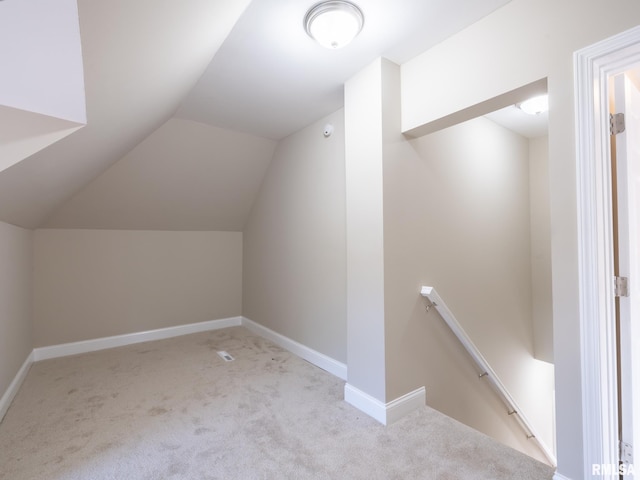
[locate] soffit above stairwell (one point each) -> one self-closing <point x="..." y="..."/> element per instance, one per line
<point x="184" y="176"/>
<point x="140" y="58"/>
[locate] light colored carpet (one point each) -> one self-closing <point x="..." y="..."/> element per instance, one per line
<point x="172" y="409"/>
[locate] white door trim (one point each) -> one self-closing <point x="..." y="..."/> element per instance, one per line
<point x="593" y="66"/>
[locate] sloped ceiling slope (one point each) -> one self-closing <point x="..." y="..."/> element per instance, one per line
<point x="140" y="57"/>
<point x="154" y="69"/>
<point x="184" y="176"/>
<point x="42" y="84"/>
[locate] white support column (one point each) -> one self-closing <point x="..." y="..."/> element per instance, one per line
<point x="365" y="246"/>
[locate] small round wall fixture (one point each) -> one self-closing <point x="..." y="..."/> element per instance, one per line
<point x="333" y="24"/>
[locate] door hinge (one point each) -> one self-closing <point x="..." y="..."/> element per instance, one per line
<point x="626" y="453"/>
<point x="616" y="123"/>
<point x="621" y="286"/>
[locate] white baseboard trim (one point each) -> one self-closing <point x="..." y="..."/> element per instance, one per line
<point x="14" y="386"/>
<point x="559" y="476"/>
<point x="312" y="356"/>
<point x="66" y="349"/>
<point x="401" y="406"/>
<point x="385" y="413"/>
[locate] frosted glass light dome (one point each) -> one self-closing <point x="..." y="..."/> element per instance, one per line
<point x="535" y="105"/>
<point x="334" y="24"/>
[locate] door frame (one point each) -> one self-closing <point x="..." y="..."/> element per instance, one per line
<point x="593" y="66"/>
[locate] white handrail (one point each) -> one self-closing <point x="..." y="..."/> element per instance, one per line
<point x="486" y="370"/>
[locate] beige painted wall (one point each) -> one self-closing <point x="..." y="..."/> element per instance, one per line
<point x="16" y="342"/>
<point x="542" y="37"/>
<point x="457" y="218"/>
<point x="294" y="242"/>
<point x="97" y="283"/>
<point x="541" y="284"/>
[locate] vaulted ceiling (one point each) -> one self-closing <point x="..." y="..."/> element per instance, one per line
<point x="165" y="115"/>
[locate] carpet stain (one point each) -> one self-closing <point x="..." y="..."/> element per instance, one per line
<point x="155" y="411"/>
<point x="72" y="449"/>
<point x="105" y="446"/>
<point x="170" y="446"/>
<point x="206" y="454"/>
<point x="178" y="468"/>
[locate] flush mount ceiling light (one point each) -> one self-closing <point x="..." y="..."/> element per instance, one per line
<point x="535" y="105"/>
<point x="333" y="24"/>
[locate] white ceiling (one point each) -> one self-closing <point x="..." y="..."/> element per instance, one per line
<point x="529" y="126"/>
<point x="242" y="65"/>
<point x="270" y="78"/>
